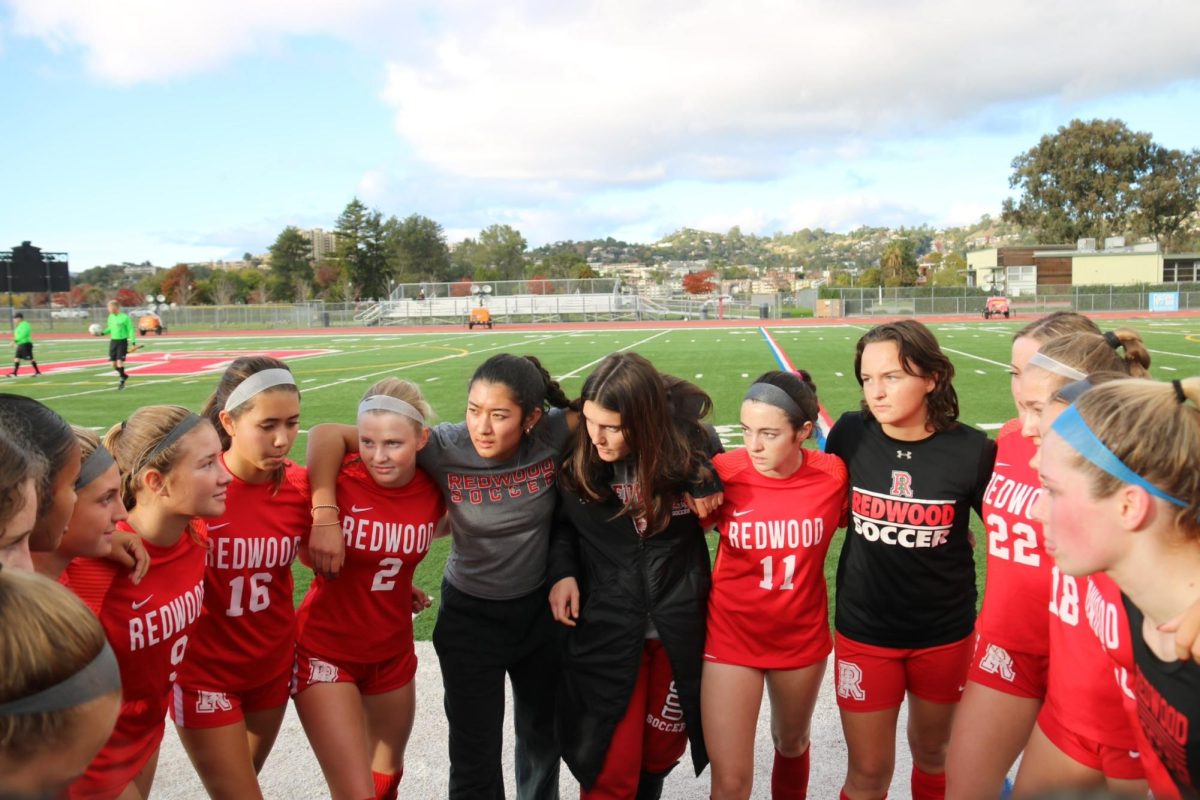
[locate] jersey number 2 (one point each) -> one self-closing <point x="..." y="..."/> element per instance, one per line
<point x="385" y="579"/>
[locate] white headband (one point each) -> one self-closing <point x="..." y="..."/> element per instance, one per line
<point x="1057" y="367"/>
<point x="256" y="383"/>
<point x="394" y="405"/>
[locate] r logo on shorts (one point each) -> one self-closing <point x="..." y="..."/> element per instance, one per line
<point x="849" y="680"/>
<point x="997" y="661"/>
<point x="321" y="671"/>
<point x="212" y="702"/>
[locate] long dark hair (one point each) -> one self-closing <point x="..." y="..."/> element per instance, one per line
<point x="920" y="355"/>
<point x="660" y="419"/>
<point x="37" y="427"/>
<point x="525" y="377"/>
<point x="800" y="387"/>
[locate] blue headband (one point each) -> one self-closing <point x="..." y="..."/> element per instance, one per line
<point x="1075" y="432"/>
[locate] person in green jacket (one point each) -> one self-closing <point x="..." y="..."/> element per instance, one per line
<point x="120" y="328"/>
<point x="23" y="340"/>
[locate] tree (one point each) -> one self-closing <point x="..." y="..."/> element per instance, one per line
<point x="1081" y="181"/>
<point x="461" y="287"/>
<point x="179" y="284"/>
<point x="362" y="250"/>
<point x="700" y="282"/>
<point x="539" y="285"/>
<point x="898" y="264"/>
<point x="291" y="262"/>
<point x="1169" y="193"/>
<point x="951" y="272"/>
<point x="372" y="273"/>
<point x="347" y="250"/>
<point x="417" y="249"/>
<point x="504" y="247"/>
<point x="128" y="298"/>
<point x="562" y="264"/>
<point x="223" y="288"/>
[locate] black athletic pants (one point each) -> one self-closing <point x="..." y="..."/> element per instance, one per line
<point x="478" y="641"/>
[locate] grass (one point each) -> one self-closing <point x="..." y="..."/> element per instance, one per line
<point x="722" y="361"/>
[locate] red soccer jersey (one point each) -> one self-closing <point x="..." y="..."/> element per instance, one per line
<point x="247" y="632"/>
<point x="1083" y="690"/>
<point x="1109" y="621"/>
<point x="365" y="614"/>
<point x="769" y="607"/>
<point x="1018" y="569"/>
<point x="148" y="626"/>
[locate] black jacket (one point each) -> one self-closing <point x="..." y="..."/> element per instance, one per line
<point x="625" y="579"/>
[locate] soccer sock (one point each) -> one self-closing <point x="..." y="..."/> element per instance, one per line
<point x="387" y="787"/>
<point x="928" y="787"/>
<point x="16" y="367"/>
<point x="789" y="776"/>
<point x="843" y="796"/>
<point x="121" y="372"/>
<point x="36" y="371"/>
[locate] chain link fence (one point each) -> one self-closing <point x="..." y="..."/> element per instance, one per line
<point x="606" y="299"/>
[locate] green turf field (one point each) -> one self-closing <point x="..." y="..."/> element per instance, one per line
<point x="171" y="369"/>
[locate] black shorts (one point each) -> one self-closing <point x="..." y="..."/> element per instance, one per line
<point x="118" y="349"/>
<point x="25" y="351"/>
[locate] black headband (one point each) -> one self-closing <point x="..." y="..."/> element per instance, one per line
<point x="101" y="676"/>
<point x="1113" y="340"/>
<point x="93" y="466"/>
<point x="1180" y="395"/>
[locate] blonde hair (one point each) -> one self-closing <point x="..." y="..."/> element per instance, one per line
<point x="88" y="440"/>
<point x="1146" y="425"/>
<point x="1055" y="324"/>
<point x="404" y="390"/>
<point x="47" y="636"/>
<point x="1091" y="353"/>
<point x="133" y="441"/>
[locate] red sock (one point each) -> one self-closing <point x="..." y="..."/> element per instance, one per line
<point x="789" y="776"/>
<point x="844" y="796"/>
<point x="387" y="787"/>
<point x="928" y="787"/>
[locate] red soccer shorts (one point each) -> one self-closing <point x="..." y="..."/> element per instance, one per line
<point x="1114" y="762"/>
<point x="870" y="678"/>
<point x="1009" y="671"/>
<point x="208" y="708"/>
<point x="371" y="678"/>
<point x="651" y="736"/>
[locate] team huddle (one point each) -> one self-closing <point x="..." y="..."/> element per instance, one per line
<point x="579" y="569"/>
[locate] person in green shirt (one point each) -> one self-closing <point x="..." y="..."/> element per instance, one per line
<point x="23" y="340"/>
<point x="120" y="328"/>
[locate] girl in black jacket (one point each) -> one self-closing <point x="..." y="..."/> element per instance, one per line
<point x="630" y="574"/>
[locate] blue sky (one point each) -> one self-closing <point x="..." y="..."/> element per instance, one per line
<point x="140" y="130"/>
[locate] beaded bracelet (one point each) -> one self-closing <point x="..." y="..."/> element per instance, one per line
<point x="324" y="524"/>
<point x="325" y="505"/>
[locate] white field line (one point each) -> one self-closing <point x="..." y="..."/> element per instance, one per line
<point x="578" y="370"/>
<point x="1169" y="353"/>
<point x="402" y="367"/>
<point x="128" y="386"/>
<point x="977" y="358"/>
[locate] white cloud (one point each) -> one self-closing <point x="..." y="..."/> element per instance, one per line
<point x="134" y="41"/>
<point x="633" y="92"/>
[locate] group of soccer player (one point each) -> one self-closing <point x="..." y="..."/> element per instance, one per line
<point x="119" y="327"/>
<point x="578" y="569"/>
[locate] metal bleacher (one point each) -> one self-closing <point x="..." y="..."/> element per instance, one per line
<point x="514" y="308"/>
